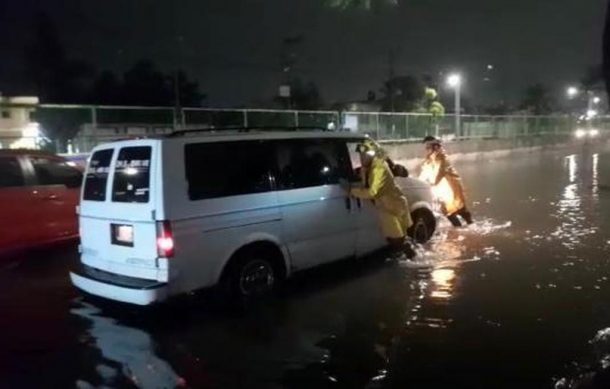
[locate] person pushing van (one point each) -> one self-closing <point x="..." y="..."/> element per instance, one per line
<point x="446" y="182"/>
<point x="392" y="205"/>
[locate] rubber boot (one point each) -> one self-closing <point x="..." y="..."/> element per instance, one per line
<point x="455" y="221"/>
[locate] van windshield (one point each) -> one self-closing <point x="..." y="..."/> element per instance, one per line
<point x="132" y="175"/>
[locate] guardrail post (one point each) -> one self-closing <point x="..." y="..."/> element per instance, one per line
<point x="407" y="126"/>
<point x="377" y="125"/>
<point x="93" y="117"/>
<point x="245" y="117"/>
<point x="296" y="118"/>
<point x="89" y="144"/>
<point x="477" y="131"/>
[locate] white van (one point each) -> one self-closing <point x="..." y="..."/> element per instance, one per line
<point x="160" y="217"/>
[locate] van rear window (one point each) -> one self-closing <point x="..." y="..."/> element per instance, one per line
<point x="132" y="175"/>
<point x="97" y="175"/>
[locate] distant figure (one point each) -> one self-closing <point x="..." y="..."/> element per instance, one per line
<point x="446" y="182"/>
<point x="391" y="204"/>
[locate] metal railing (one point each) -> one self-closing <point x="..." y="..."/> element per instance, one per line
<point x="78" y="128"/>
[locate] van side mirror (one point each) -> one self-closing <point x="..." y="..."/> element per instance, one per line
<point x="75" y="181"/>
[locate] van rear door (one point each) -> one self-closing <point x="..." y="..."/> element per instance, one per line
<point x="118" y="207"/>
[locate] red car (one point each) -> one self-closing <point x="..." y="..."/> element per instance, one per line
<point x="39" y="193"/>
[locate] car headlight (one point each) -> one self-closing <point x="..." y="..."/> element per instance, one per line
<point x="580" y="133"/>
<point x="593" y="132"/>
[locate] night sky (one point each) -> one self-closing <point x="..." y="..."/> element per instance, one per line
<point x="232" y="47"/>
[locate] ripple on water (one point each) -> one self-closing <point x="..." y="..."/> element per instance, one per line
<point x="592" y="374"/>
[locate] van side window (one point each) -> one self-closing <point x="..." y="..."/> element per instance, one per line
<point x="97" y="175"/>
<point x="308" y="162"/>
<point x="53" y="172"/>
<point x="132" y="175"/>
<point x="219" y="169"/>
<point x="11" y="174"/>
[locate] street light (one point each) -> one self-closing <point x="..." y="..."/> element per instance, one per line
<point x="596" y="100"/>
<point x="455" y="81"/>
<point x="572" y="91"/>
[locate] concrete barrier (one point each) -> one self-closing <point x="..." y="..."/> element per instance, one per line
<point x="411" y="154"/>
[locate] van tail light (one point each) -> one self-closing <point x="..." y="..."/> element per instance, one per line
<point x="165" y="239"/>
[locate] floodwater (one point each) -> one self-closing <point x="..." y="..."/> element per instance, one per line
<point x="519" y="300"/>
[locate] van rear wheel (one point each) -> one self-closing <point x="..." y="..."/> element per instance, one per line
<point x="423" y="226"/>
<point x="251" y="277"/>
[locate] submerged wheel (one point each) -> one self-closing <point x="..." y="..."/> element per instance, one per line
<point x="424" y="225"/>
<point x="256" y="277"/>
<point x="252" y="274"/>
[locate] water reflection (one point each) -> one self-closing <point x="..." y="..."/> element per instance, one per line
<point x="442" y="283"/>
<point x="595" y="180"/>
<point x="127" y="353"/>
<point x="575" y="208"/>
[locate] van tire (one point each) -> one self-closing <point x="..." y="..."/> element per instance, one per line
<point x="424" y="225"/>
<point x="253" y="273"/>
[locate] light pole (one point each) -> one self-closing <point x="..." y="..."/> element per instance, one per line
<point x="592" y="100"/>
<point x="455" y="81"/>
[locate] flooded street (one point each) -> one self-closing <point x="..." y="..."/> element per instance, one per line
<point x="519" y="300"/>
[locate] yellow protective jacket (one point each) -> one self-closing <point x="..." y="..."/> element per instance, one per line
<point x="438" y="171"/>
<point x="392" y="205"/>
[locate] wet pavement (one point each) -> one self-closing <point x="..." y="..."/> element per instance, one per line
<point x="519" y="300"/>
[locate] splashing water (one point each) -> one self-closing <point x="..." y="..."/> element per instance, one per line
<point x="591" y="375"/>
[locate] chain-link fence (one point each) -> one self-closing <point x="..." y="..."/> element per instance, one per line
<point x="77" y="128"/>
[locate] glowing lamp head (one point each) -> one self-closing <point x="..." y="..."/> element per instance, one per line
<point x="454" y="80"/>
<point x="572" y="91"/>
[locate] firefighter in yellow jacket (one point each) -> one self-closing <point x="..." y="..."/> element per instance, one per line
<point x="446" y="182"/>
<point x="391" y="204"/>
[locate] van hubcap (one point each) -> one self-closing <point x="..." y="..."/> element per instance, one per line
<point x="421" y="230"/>
<point x="256" y="278"/>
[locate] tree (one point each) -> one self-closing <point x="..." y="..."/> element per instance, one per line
<point x="537" y="100"/>
<point x="107" y="89"/>
<point x="431" y="104"/>
<point x="55" y="78"/>
<point x="143" y="84"/>
<point x="190" y="96"/>
<point x="593" y="78"/>
<point x="402" y="94"/>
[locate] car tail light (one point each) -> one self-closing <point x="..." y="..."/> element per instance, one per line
<point x="165" y="239"/>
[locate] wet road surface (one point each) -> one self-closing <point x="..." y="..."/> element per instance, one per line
<point x="519" y="300"/>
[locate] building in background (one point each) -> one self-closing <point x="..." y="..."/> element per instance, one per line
<point x="17" y="129"/>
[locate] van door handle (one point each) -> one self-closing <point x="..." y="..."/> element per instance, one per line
<point x="50" y="197"/>
<point x="348" y="203"/>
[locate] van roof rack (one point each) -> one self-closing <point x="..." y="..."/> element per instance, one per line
<point x="245" y="129"/>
